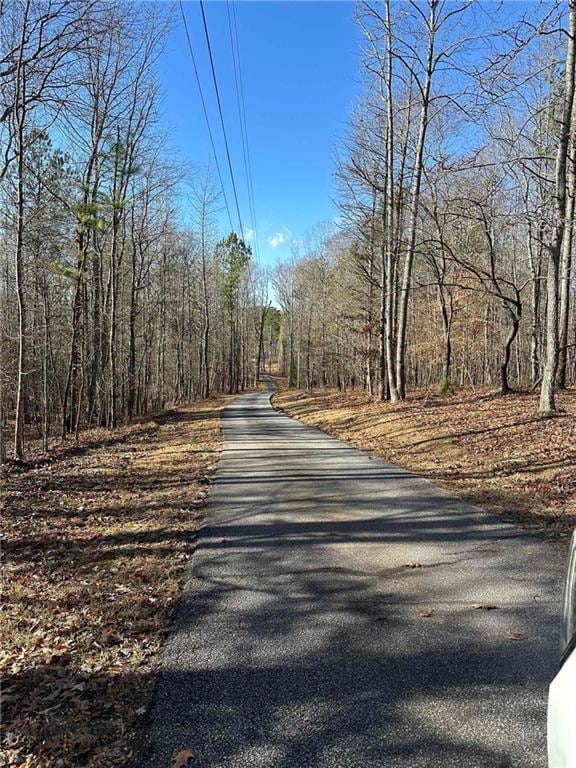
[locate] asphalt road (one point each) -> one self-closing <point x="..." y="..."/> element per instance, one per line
<point x="299" y="641"/>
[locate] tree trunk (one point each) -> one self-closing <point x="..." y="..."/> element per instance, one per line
<point x="18" y="259"/>
<point x="513" y="332"/>
<point x="414" y="206"/>
<point x="566" y="260"/>
<point x="562" y="226"/>
<point x="536" y="273"/>
<point x="205" y="325"/>
<point x="388" y="256"/>
<point x="20" y="120"/>
<point x="45" y="355"/>
<point x="447" y="329"/>
<point x="260" y="341"/>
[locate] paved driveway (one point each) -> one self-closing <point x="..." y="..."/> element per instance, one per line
<point x="300" y="639"/>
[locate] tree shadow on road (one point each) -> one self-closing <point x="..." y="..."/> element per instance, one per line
<point x="291" y="651"/>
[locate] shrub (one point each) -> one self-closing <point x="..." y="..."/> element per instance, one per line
<point x="446" y="387"/>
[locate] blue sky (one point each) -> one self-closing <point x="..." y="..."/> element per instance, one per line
<point x="301" y="75"/>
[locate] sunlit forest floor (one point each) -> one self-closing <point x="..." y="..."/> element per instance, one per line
<point x="97" y="540"/>
<point x="491" y="450"/>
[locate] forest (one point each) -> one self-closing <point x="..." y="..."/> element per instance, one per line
<point x="453" y="262"/>
<point x="325" y="490"/>
<point x="110" y="308"/>
<point x="450" y="264"/>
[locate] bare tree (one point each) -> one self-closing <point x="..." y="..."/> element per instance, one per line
<point x="562" y="223"/>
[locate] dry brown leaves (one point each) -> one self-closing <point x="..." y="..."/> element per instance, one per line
<point x="491" y="450"/>
<point x="96" y="547"/>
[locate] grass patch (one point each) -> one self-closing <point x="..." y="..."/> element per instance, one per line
<point x="97" y="541"/>
<point x="490" y="450"/>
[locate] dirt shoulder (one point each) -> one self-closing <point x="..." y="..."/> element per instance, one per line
<point x="96" y="548"/>
<point x="490" y="450"/>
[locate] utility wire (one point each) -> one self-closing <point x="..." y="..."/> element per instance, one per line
<point x="206" y="114"/>
<point x="242" y="115"/>
<point x="235" y="46"/>
<point x="221" y="117"/>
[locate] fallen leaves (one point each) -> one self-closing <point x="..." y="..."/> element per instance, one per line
<point x="493" y="451"/>
<point x="515" y="636"/>
<point x="181" y="759"/>
<point x="425" y="614"/>
<point x="96" y="548"/>
<point x="484" y="607"/>
<point x="413" y="564"/>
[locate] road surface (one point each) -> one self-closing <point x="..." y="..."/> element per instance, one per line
<point x="300" y="640"/>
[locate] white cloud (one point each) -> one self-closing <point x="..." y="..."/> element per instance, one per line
<point x="250" y="234"/>
<point x="276" y="239"/>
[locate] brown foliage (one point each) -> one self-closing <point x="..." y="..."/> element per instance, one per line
<point x="96" y="549"/>
<point x="489" y="449"/>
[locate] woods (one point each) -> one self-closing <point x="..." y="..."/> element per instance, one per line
<point x="407" y="288"/>
<point x="452" y="264"/>
<point x="119" y="294"/>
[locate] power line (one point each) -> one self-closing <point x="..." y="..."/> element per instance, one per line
<point x="242" y="116"/>
<point x="221" y="117"/>
<point x="238" y="101"/>
<point x="206" y="114"/>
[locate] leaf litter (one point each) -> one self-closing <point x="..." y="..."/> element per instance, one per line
<point x="97" y="541"/>
<point x="491" y="450"/>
